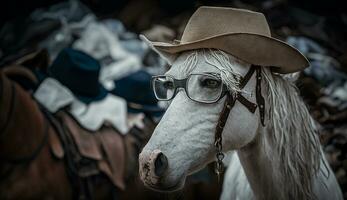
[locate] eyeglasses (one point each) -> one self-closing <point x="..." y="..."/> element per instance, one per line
<point x="202" y="88"/>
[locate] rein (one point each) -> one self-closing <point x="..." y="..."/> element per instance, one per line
<point x="37" y="150"/>
<point x="10" y="112"/>
<point x="33" y="155"/>
<point x="229" y="104"/>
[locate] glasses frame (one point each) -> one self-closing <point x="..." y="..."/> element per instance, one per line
<point x="182" y="83"/>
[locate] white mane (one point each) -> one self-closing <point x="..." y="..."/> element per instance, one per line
<point x="218" y="59"/>
<point x="293" y="145"/>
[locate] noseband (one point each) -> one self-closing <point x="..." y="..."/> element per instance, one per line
<point x="229" y="104"/>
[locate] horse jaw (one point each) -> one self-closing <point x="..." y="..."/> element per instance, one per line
<point x="185" y="134"/>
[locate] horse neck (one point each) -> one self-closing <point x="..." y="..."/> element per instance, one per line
<point x="21" y="122"/>
<point x="259" y="170"/>
<point x="264" y="170"/>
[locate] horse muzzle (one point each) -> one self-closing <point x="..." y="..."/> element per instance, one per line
<point x="153" y="167"/>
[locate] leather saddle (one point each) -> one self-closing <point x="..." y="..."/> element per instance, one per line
<point x="86" y="153"/>
<point x="92" y="153"/>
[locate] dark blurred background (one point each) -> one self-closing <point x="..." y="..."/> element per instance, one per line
<point x="318" y="28"/>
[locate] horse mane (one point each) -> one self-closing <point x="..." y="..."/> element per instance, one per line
<point x="292" y="144"/>
<point x="216" y="58"/>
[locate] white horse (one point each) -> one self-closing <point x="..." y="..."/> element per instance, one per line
<point x="281" y="160"/>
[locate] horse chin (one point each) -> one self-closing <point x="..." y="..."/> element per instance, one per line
<point x="166" y="188"/>
<point x="197" y="168"/>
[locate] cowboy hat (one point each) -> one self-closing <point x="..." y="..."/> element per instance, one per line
<point x="136" y="89"/>
<point x="241" y="33"/>
<point x="79" y="72"/>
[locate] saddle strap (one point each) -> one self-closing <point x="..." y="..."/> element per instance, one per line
<point x="81" y="188"/>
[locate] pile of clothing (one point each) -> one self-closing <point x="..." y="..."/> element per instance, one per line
<point x="72" y="83"/>
<point x="99" y="71"/>
<point x="119" y="62"/>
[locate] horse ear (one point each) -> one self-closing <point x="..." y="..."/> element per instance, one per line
<point x="292" y="77"/>
<point x="169" y="58"/>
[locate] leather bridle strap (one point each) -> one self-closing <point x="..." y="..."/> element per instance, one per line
<point x="230" y="101"/>
<point x="229" y="104"/>
<point x="247" y="77"/>
<point x="259" y="97"/>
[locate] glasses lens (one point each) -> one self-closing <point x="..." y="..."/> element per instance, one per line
<point x="163" y="87"/>
<point x="204" y="88"/>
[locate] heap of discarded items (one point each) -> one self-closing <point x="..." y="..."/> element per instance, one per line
<point x="68" y="39"/>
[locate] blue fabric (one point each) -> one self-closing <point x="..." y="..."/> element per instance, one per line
<point x="80" y="73"/>
<point x="136" y="89"/>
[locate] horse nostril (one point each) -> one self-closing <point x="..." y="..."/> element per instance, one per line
<point x="160" y="165"/>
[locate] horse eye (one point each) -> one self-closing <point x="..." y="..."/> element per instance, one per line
<point x="210" y="83"/>
<point x="168" y="85"/>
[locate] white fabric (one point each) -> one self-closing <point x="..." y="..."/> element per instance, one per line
<point x="112" y="109"/>
<point x="98" y="41"/>
<point x="53" y="95"/>
<point x="136" y="120"/>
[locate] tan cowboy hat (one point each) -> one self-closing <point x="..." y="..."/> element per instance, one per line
<point x="241" y="33"/>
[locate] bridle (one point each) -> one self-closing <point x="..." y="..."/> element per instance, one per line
<point x="229" y="104"/>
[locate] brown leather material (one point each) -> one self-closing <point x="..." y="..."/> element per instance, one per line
<point x="229" y="103"/>
<point x="35" y="60"/>
<point x="85" y="141"/>
<point x="55" y="144"/>
<point x="249" y="105"/>
<point x="247" y="77"/>
<point x="7" y="104"/>
<point x="260" y="98"/>
<point x="113" y="146"/>
<point x="27" y="126"/>
<point x="105" y="146"/>
<point x="20" y="71"/>
<point x="20" y="118"/>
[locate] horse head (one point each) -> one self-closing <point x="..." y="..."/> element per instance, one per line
<point x="219" y="103"/>
<point x="184" y="140"/>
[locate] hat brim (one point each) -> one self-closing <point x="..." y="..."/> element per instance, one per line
<point x="86" y="99"/>
<point x="252" y="48"/>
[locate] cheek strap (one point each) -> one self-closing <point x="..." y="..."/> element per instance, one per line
<point x="229" y="104"/>
<point x="259" y="97"/>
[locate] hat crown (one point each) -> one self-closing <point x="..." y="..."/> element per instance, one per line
<point x="78" y="71"/>
<point x="209" y="22"/>
<point x="140" y="82"/>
